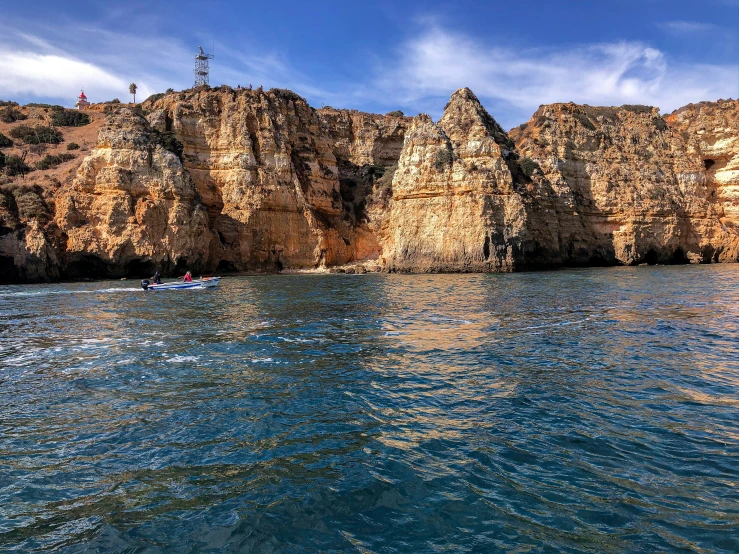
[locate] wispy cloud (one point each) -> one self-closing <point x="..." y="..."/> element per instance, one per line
<point x="512" y="83"/>
<point x="428" y="65"/>
<point x="43" y="63"/>
<point x="688" y="27"/>
<point x="56" y="61"/>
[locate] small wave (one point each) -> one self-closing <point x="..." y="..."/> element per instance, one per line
<point x="180" y="359"/>
<point x="299" y="340"/>
<point x="118" y="289"/>
<point x="262" y="360"/>
<point x="45" y="293"/>
<point x="555" y="324"/>
<point x="64" y="292"/>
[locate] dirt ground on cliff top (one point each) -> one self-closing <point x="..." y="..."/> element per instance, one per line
<point x="85" y="136"/>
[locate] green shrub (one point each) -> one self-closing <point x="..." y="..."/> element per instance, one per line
<point x="29" y="203"/>
<point x="585" y="121"/>
<point x="38" y="105"/>
<point x="637" y="108"/>
<point x="286" y="94"/>
<point x="61" y="117"/>
<point x="443" y="159"/>
<point x="37" y="135"/>
<point x="169" y="91"/>
<point x="16" y="165"/>
<point x="73" y="146"/>
<point x="528" y="166"/>
<point x="11" y="114"/>
<point x="155" y="97"/>
<point x="395" y="113"/>
<point x="5" y="142"/>
<point x="4" y="103"/>
<point x="50" y="161"/>
<point x="115" y="101"/>
<point x="374" y="171"/>
<point x="660" y="123"/>
<point x="383" y="186"/>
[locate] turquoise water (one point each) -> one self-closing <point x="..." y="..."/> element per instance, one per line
<point x="570" y="411"/>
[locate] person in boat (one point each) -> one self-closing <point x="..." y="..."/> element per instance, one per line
<point x="157" y="279"/>
<point x="187" y="278"/>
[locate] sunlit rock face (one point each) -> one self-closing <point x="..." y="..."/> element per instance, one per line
<point x="269" y="169"/>
<point x="632" y="187"/>
<point x="711" y="133"/>
<point x="217" y="180"/>
<point x="460" y="201"/>
<point x="131" y="208"/>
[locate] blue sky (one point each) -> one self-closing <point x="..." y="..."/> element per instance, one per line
<point x="381" y="56"/>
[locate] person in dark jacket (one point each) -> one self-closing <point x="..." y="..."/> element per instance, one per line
<point x="157" y="279"/>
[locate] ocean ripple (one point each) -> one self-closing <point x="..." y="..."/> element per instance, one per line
<point x="570" y="411"/>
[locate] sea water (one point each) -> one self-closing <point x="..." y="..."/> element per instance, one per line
<point x="566" y="411"/>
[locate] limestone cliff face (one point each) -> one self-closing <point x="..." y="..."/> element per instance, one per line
<point x="132" y="208"/>
<point x="711" y="131"/>
<point x="219" y="180"/>
<point x="629" y="189"/>
<point x="269" y="167"/>
<point x="27" y="250"/>
<point x="459" y="200"/>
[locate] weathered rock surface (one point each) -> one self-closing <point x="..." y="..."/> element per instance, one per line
<point x="629" y="189"/>
<point x="223" y="180"/>
<point x="27" y="251"/>
<point x="456" y="205"/>
<point x="711" y="131"/>
<point x="132" y="208"/>
<point x="271" y="169"/>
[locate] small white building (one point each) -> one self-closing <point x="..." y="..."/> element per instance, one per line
<point x="82" y="102"/>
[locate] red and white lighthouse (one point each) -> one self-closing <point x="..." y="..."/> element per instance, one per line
<point x="82" y="102"/>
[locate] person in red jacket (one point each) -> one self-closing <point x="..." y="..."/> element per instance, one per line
<point x="187" y="278"/>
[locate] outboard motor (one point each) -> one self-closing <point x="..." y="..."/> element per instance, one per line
<point x="145" y="284"/>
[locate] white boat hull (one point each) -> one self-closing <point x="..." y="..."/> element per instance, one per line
<point x="207" y="283"/>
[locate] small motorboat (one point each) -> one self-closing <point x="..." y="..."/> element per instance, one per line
<point x="202" y="283"/>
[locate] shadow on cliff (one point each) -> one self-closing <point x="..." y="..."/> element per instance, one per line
<point x="89" y="266"/>
<point x="587" y="232"/>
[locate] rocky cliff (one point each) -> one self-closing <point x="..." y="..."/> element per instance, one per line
<point x="284" y="185"/>
<point x="246" y="180"/>
<point x="460" y="201"/>
<point x="631" y="187"/>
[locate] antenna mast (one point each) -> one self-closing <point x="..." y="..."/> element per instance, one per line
<point x="202" y="68"/>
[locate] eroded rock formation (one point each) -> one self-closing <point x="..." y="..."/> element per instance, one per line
<point x="281" y="181"/>
<point x="27" y="251"/>
<point x="224" y="180"/>
<point x="629" y="188"/>
<point x="459" y="202"/>
<point x="131" y="208"/>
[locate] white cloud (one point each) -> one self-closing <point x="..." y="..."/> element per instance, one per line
<point x="54" y="62"/>
<point x="29" y="73"/>
<point x="512" y="83"/>
<point x="49" y="65"/>
<point x="688" y="27"/>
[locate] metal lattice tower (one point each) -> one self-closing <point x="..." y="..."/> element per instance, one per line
<point x="202" y="68"/>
